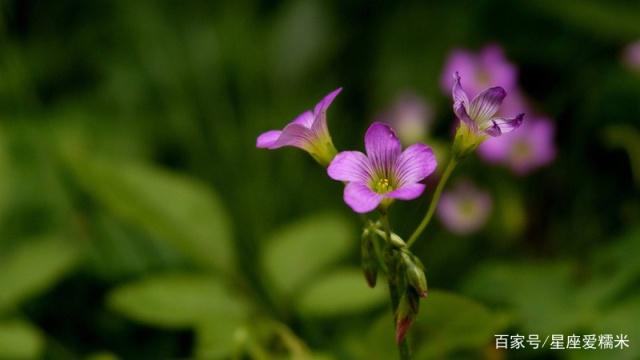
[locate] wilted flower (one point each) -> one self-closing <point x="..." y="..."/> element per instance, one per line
<point x="524" y="150"/>
<point x="384" y="173"/>
<point x="631" y="55"/>
<point x="477" y="117"/>
<point x="411" y="117"/>
<point x="480" y="71"/>
<point x="308" y="131"/>
<point x="465" y="208"/>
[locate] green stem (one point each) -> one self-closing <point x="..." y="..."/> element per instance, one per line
<point x="434" y="201"/>
<point x="394" y="293"/>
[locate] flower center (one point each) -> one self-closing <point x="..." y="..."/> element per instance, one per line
<point x="521" y="151"/>
<point x="382" y="186"/>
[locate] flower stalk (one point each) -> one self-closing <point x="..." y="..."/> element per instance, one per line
<point x="434" y="201"/>
<point x="395" y="291"/>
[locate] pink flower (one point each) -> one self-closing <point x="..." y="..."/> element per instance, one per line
<point x="385" y="173"/>
<point x="465" y="208"/>
<point x="525" y="150"/>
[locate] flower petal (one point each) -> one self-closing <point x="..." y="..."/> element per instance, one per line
<point x="267" y="139"/>
<point x="407" y="192"/>
<point x="461" y="102"/>
<point x="350" y="166"/>
<point x="294" y="135"/>
<point x="486" y="104"/>
<point x="324" y="104"/>
<point x="305" y="119"/>
<point x="383" y="147"/>
<point x="414" y="164"/>
<point x="361" y="198"/>
<point x="499" y="126"/>
<point x="458" y="93"/>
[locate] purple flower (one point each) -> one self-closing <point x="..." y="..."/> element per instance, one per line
<point x="477" y="117"/>
<point x="631" y="55"/>
<point x="478" y="114"/>
<point x="464" y="209"/>
<point x="308" y="132"/>
<point x="411" y="116"/>
<point x="385" y="173"/>
<point x="525" y="150"/>
<point x="482" y="70"/>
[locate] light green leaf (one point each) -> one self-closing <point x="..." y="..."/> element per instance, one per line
<point x="32" y="267"/>
<point x="448" y="322"/>
<point x="175" y="208"/>
<point x="300" y="250"/>
<point x="177" y="301"/>
<point x="341" y="292"/>
<point x="19" y="340"/>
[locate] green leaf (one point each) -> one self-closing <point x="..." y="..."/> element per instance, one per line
<point x="216" y="340"/>
<point x="175" y="208"/>
<point x="449" y="323"/>
<point x="341" y="292"/>
<point x="177" y="301"/>
<point x="541" y="295"/>
<point x="19" y="340"/>
<point x="32" y="267"/>
<point x="299" y="251"/>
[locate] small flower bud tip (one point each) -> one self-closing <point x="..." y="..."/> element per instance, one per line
<point x="402" y="327"/>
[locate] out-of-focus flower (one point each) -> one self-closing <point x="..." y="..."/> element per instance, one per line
<point x="411" y="117"/>
<point x="464" y="209"/>
<point x="631" y="55"/>
<point x="308" y="131"/>
<point x="488" y="68"/>
<point x="525" y="150"/>
<point x="385" y="173"/>
<point x="477" y="117"/>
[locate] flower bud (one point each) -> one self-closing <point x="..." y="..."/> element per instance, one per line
<point x="368" y="257"/>
<point x="415" y="273"/>
<point x="404" y="318"/>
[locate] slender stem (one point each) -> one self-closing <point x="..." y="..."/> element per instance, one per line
<point x="394" y="293"/>
<point x="434" y="201"/>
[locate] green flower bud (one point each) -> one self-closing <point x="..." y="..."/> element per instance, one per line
<point x="404" y="318"/>
<point x="368" y="258"/>
<point x="415" y="273"/>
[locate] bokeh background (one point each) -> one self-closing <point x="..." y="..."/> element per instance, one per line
<point x="139" y="221"/>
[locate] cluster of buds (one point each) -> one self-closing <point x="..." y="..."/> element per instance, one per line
<point x="405" y="272"/>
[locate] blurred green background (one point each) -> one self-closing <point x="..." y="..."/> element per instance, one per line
<point x="139" y="221"/>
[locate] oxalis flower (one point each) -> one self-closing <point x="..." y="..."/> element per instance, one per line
<point x="385" y="173"/>
<point x="308" y="132"/>
<point x="477" y="117"/>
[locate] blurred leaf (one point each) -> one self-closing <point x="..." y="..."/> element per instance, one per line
<point x="5" y="175"/>
<point x="173" y="207"/>
<point x="628" y="138"/>
<point x="19" y="340"/>
<point x="102" y="356"/>
<point x="216" y="340"/>
<point x="541" y="295"/>
<point x="341" y="292"/>
<point x="601" y="18"/>
<point x="300" y="38"/>
<point x="300" y="250"/>
<point x="378" y="341"/>
<point x="32" y="267"/>
<point x="120" y="250"/>
<point x="448" y="322"/>
<point x="177" y="301"/>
